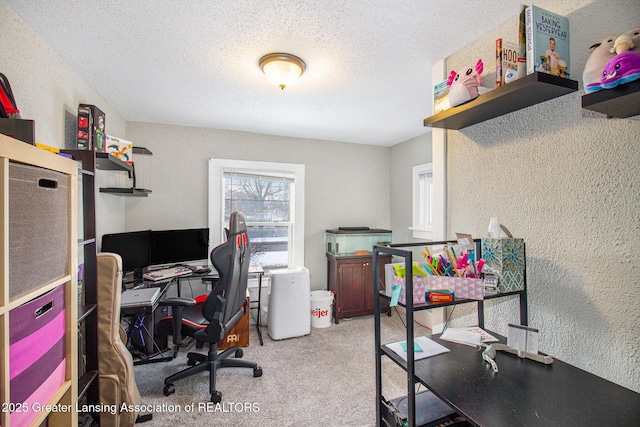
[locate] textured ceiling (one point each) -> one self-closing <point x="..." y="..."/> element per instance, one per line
<point x="195" y="62"/>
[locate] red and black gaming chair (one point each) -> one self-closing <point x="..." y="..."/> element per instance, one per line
<point x="223" y="307"/>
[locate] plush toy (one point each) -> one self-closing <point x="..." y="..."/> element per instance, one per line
<point x="463" y="88"/>
<point x="605" y="51"/>
<point x="622" y="68"/>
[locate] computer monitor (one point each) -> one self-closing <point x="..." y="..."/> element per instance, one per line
<point x="134" y="248"/>
<point x="175" y="246"/>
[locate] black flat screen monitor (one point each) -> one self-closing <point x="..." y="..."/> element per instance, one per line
<point x="175" y="246"/>
<point x="134" y="248"/>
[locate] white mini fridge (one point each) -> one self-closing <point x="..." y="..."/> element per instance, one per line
<point x="289" y="303"/>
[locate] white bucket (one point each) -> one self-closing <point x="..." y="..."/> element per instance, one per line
<point x="321" y="302"/>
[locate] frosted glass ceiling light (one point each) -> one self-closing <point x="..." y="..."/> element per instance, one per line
<point x="282" y="69"/>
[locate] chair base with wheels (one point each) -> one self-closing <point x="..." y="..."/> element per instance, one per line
<point x="211" y="362"/>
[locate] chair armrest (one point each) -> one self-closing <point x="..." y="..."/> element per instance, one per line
<point x="177" y="302"/>
<point x="177" y="305"/>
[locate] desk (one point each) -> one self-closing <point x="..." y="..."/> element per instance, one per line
<point x="523" y="392"/>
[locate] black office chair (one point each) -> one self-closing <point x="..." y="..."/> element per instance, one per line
<point x="222" y="309"/>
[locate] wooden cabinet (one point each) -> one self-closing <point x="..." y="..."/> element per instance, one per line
<point x="351" y="278"/>
<point x="38" y="289"/>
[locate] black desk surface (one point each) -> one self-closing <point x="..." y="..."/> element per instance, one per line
<point x="524" y="392"/>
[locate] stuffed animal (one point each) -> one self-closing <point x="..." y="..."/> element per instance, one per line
<point x="623" y="68"/>
<point x="603" y="52"/>
<point x="463" y="88"/>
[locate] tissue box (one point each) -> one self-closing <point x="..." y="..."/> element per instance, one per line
<point x="120" y="148"/>
<point x="503" y="254"/>
<point x="508" y="280"/>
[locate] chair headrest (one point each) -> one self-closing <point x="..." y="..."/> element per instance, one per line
<point x="237" y="224"/>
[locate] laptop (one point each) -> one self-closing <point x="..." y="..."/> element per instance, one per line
<point x="144" y="297"/>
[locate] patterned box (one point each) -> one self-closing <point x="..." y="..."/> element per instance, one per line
<point x="508" y="280"/>
<point x="503" y="254"/>
<point x="419" y="289"/>
<point x="462" y="287"/>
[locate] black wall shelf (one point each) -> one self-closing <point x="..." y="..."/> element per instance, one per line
<point x="621" y="101"/>
<point x="524" y="92"/>
<point x="134" y="192"/>
<point x="109" y="162"/>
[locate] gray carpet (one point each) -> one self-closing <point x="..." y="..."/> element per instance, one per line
<point x="324" y="379"/>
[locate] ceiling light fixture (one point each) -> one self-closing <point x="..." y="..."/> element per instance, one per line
<point x="282" y="68"/>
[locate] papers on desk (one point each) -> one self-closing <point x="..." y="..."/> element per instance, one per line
<point x="423" y="348"/>
<point x="472" y="336"/>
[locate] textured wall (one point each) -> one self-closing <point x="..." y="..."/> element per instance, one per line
<point x="346" y="184"/>
<point x="567" y="181"/>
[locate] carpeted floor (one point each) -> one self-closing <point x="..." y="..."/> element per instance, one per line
<point x="324" y="379"/>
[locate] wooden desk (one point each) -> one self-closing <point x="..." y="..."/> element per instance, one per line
<point x="523" y="392"/>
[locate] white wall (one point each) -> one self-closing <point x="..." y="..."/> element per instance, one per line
<point x="402" y="158"/>
<point x="566" y="180"/>
<point x="346" y="184"/>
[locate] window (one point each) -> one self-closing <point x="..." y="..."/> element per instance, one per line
<point x="422" y="199"/>
<point x="266" y="203"/>
<point x="271" y="197"/>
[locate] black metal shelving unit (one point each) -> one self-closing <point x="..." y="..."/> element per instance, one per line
<point x="522" y="93"/>
<point x="419" y="406"/>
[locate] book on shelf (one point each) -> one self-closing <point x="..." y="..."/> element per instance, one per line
<point x="522" y="35"/>
<point x="498" y="62"/>
<point x="506" y="59"/>
<point x="547" y="40"/>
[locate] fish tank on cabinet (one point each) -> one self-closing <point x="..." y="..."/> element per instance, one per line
<point x="355" y="241"/>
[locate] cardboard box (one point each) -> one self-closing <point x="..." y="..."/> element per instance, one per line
<point x="91" y="128"/>
<point x="503" y="254"/>
<point x="419" y="289"/>
<point x="120" y="148"/>
<point x="462" y="287"/>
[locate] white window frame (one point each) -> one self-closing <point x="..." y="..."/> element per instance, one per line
<point x="422" y="201"/>
<point x="217" y="167"/>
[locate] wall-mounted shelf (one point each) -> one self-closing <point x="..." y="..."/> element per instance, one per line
<point x="109" y="162"/>
<point x="621" y="101"/>
<point x="105" y="161"/>
<point x="134" y="192"/>
<point x="524" y="92"/>
<point x="142" y="150"/>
